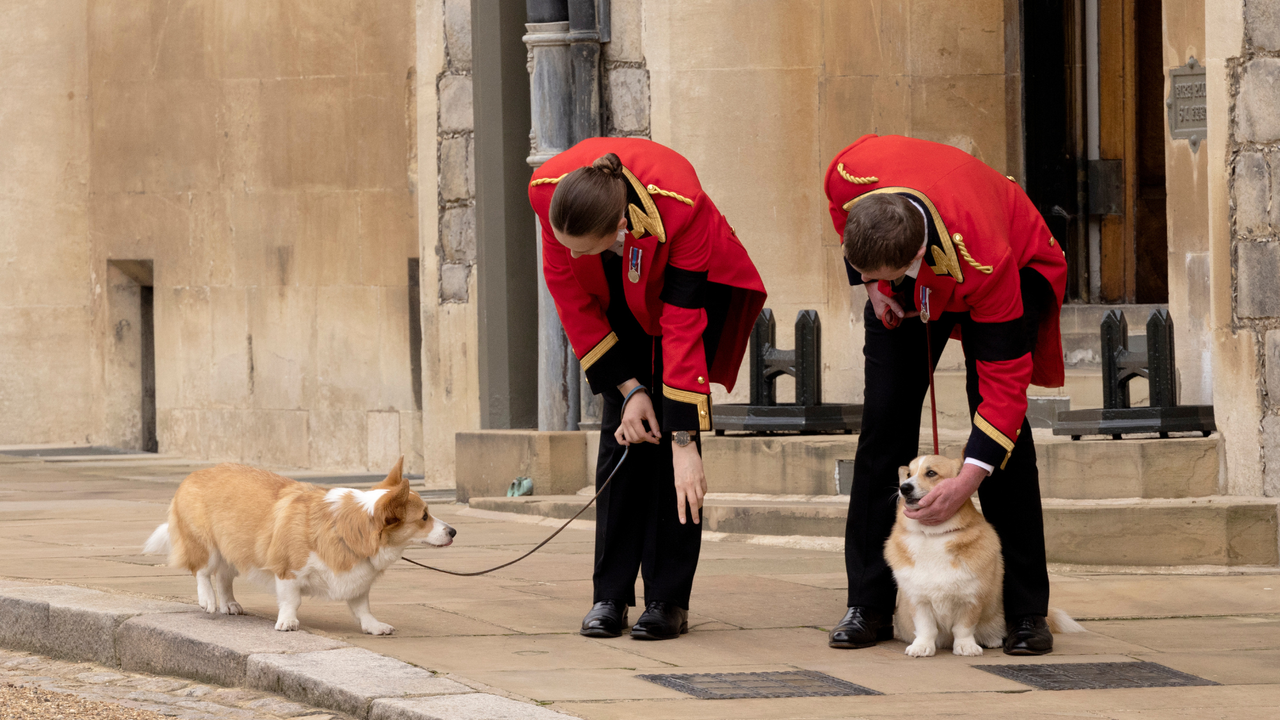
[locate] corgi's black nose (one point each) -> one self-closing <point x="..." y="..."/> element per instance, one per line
<point x="907" y="489"/>
<point x="452" y="532"/>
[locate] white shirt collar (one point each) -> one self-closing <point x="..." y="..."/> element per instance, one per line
<point x="914" y="270"/>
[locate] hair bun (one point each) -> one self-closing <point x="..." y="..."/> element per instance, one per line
<point x="609" y="164"/>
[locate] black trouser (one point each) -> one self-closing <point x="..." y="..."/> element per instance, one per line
<point x="896" y="383"/>
<point x="636" y="523"/>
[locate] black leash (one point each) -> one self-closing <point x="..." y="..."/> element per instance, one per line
<point x="559" y="530"/>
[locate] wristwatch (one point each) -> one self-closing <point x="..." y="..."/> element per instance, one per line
<point x="683" y="437"/>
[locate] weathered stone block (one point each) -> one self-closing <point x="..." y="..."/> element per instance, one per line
<point x="1262" y="23"/>
<point x="1257" y="266"/>
<point x="454" y="278"/>
<point x="347" y="679"/>
<point x="1096" y="469"/>
<point x="1274" y="167"/>
<point x="477" y="706"/>
<point x="1271" y="442"/>
<point x="1205" y="531"/>
<point x="488" y="461"/>
<point x="457" y="33"/>
<point x="1250" y="190"/>
<point x="1257" y="101"/>
<point x="384" y="439"/>
<point x="70" y="622"/>
<point x="458" y="230"/>
<point x="629" y="99"/>
<point x="456" y="114"/>
<point x="457" y="169"/>
<point x="209" y="648"/>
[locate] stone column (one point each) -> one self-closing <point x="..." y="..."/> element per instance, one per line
<point x="550" y="78"/>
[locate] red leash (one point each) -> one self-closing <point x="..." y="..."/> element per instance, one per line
<point x="928" y="344"/>
<point x="933" y="403"/>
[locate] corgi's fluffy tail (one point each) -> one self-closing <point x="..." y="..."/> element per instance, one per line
<point x="158" y="543"/>
<point x="1060" y="622"/>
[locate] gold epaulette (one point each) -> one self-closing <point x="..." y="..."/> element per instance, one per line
<point x="867" y="180"/>
<point x="655" y="190"/>
<point x="964" y="252"/>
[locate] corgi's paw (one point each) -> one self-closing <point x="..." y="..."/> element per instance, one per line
<point x="920" y="648"/>
<point x="233" y="608"/>
<point x="209" y="606"/>
<point x="287" y="624"/>
<point x="967" y="648"/>
<point x="373" y="627"/>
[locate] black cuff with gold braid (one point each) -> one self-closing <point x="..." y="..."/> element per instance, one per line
<point x="604" y="365"/>
<point x="685" y="410"/>
<point x="988" y="444"/>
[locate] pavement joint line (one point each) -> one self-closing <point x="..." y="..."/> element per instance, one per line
<point x="116" y="630"/>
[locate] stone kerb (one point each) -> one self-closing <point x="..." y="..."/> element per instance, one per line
<point x="347" y="679"/>
<point x="178" y="639"/>
<point x="70" y="623"/>
<point x="211" y="648"/>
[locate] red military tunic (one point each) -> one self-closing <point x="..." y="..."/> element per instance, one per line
<point x="676" y="245"/>
<point x="982" y="230"/>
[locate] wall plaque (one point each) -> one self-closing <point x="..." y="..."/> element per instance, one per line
<point x="1188" y="117"/>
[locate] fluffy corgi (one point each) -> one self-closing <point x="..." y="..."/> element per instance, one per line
<point x="950" y="576"/>
<point x="295" y="537"/>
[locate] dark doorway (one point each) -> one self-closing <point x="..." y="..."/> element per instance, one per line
<point x="130" y="357"/>
<point x="1053" y="122"/>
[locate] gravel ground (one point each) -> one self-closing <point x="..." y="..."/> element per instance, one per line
<point x="33" y="687"/>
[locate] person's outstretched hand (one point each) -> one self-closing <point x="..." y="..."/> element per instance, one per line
<point x="945" y="499"/>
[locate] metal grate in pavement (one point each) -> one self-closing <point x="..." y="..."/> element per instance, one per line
<point x="725" y="686"/>
<point x="1095" y="676"/>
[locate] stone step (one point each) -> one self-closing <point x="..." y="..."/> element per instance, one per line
<point x="1219" y="530"/>
<point x="561" y="463"/>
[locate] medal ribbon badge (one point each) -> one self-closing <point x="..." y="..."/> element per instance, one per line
<point x="924" y="304"/>
<point x="633" y="267"/>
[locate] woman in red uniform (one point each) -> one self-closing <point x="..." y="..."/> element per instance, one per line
<point x="654" y="289"/>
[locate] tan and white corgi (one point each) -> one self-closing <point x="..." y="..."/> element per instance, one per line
<point x="950" y="576"/>
<point x="294" y="537"/>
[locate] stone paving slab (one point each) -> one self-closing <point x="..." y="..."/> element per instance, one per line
<point x="478" y="706"/>
<point x="346" y="679"/>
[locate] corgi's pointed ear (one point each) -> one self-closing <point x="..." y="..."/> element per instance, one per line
<point x="391" y="506"/>
<point x="395" y="478"/>
<point x="903" y="473"/>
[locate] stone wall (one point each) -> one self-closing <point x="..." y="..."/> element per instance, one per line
<point x="46" y="361"/>
<point x="760" y="95"/>
<point x="258" y="155"/>
<point x="1187" y="209"/>
<point x="1243" y="66"/>
<point x="1254" y="81"/>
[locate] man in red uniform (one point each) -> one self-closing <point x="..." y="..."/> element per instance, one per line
<point x="951" y="240"/>
<point x="654" y="289"/>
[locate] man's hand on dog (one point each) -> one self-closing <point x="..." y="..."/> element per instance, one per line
<point x="945" y="499"/>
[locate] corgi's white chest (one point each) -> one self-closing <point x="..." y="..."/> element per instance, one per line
<point x="319" y="580"/>
<point x="936" y="575"/>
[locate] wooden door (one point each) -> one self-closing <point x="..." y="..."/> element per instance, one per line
<point x="1134" y="242"/>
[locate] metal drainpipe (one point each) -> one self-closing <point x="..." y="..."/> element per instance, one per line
<point x="551" y="96"/>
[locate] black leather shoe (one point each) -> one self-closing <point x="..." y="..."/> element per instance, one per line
<point x="661" y="621"/>
<point x="605" y="619"/>
<point x="1028" y="635"/>
<point x="861" y="628"/>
